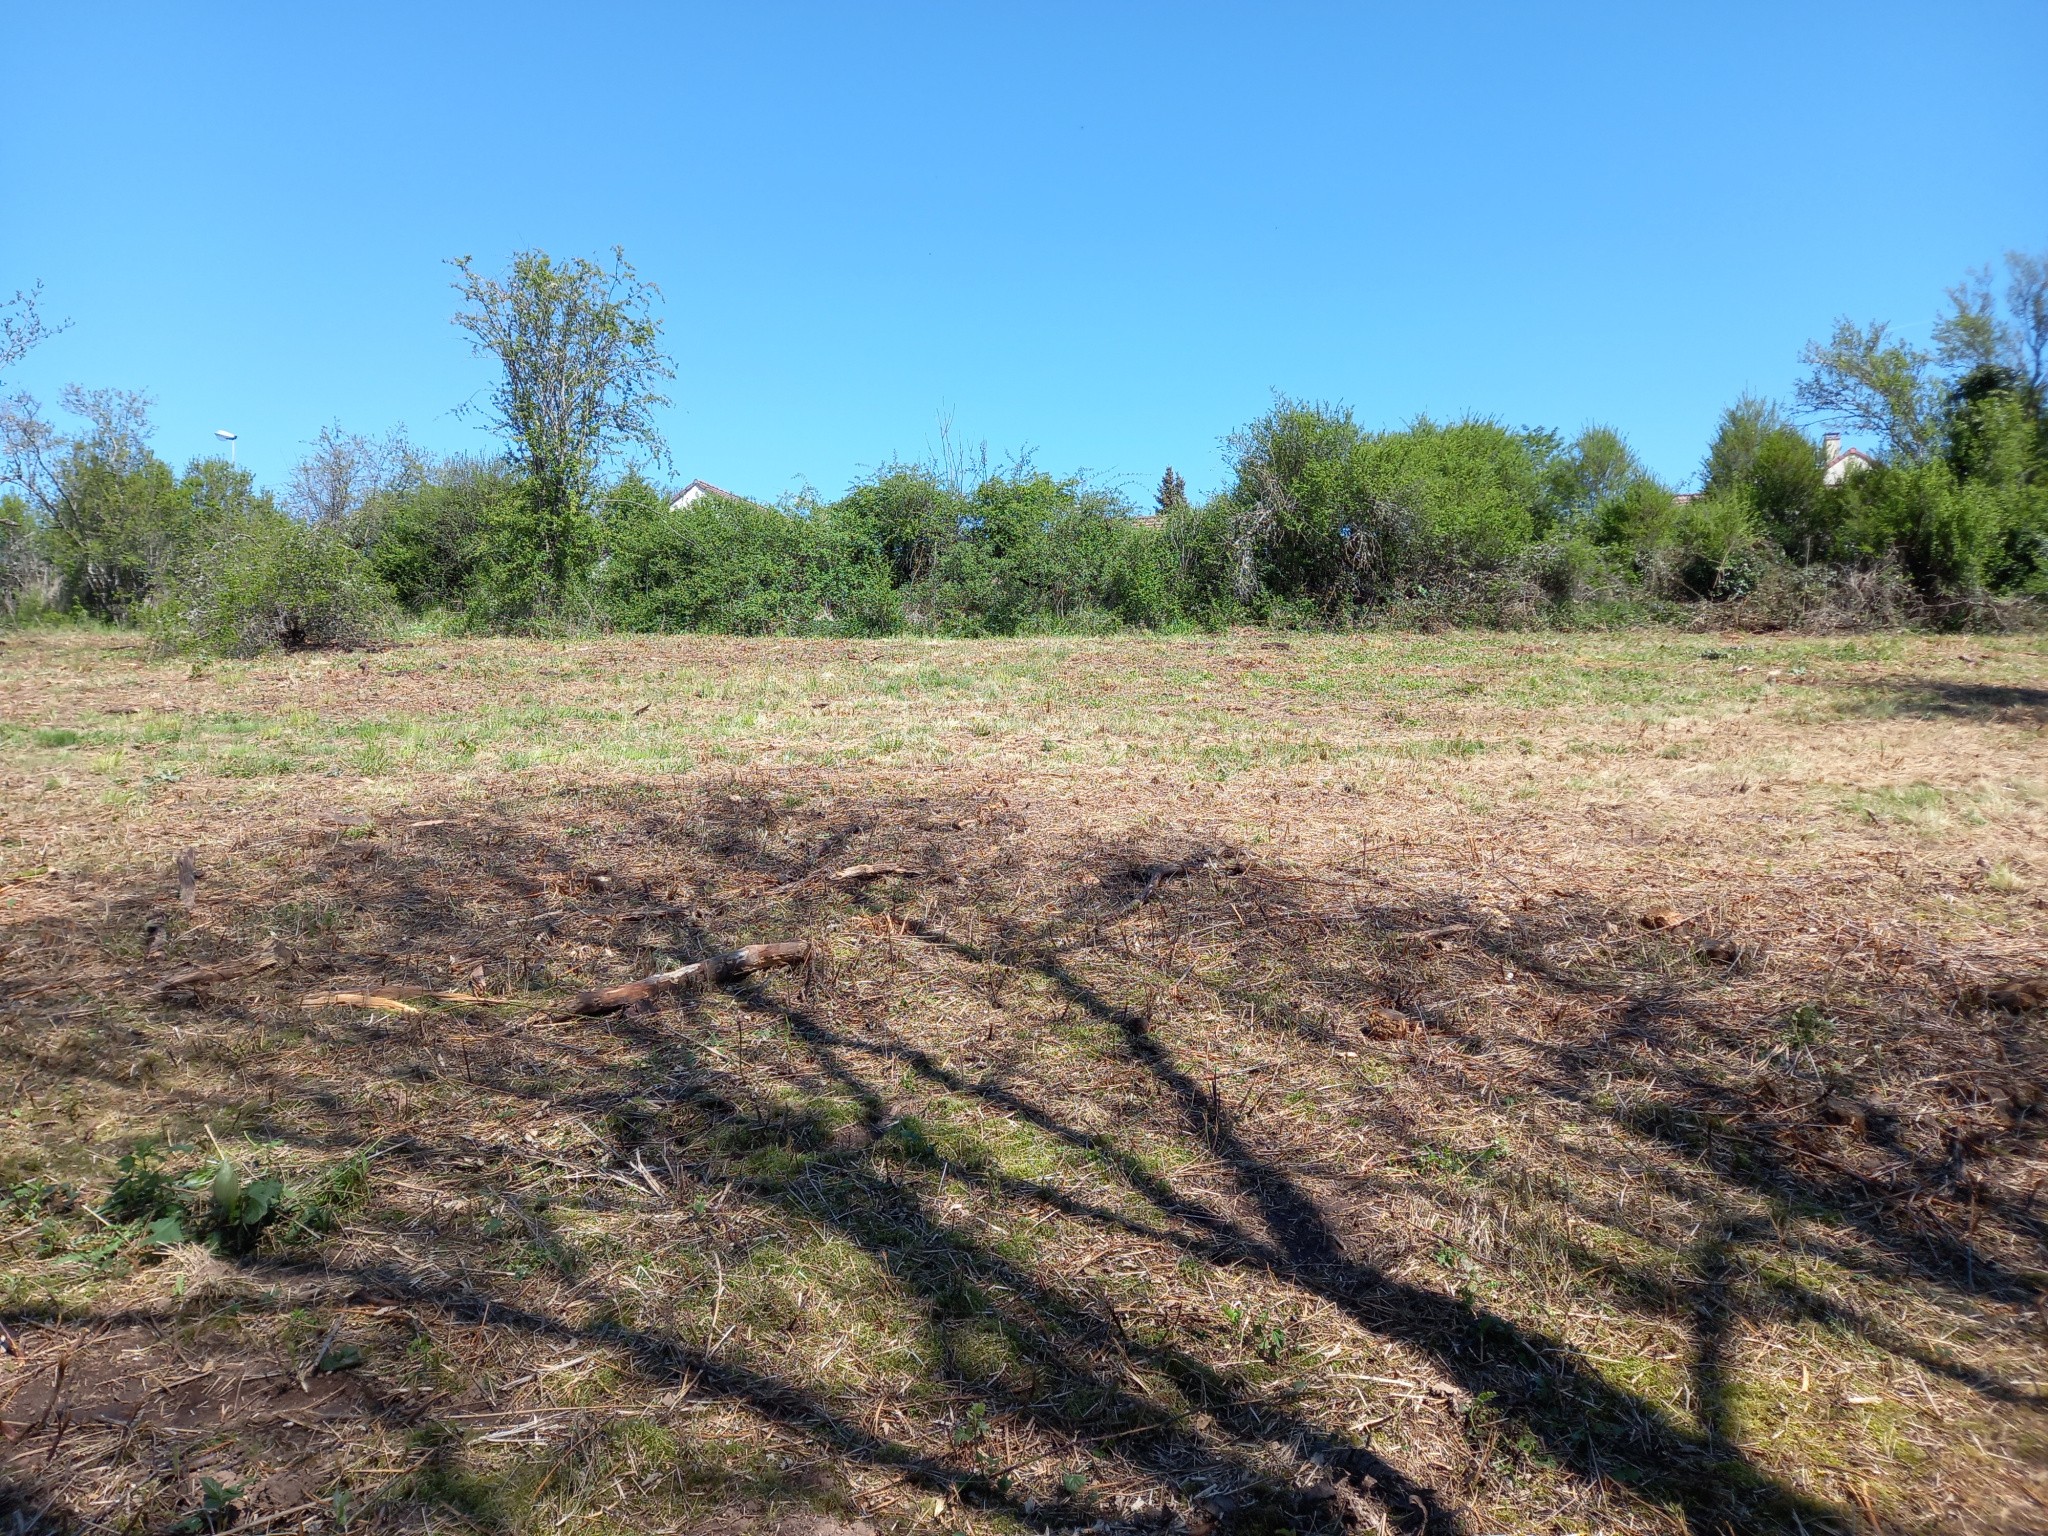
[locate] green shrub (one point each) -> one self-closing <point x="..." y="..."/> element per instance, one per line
<point x="1710" y="549"/>
<point x="1948" y="535"/>
<point x="113" y="517"/>
<point x="1338" y="516"/>
<point x="270" y="583"/>
<point x="423" y="542"/>
<point x="907" y="515"/>
<point x="734" y="568"/>
<point x="1639" y="519"/>
<point x="29" y="588"/>
<point x="533" y="558"/>
<point x="1569" y="569"/>
<point x="1141" y="578"/>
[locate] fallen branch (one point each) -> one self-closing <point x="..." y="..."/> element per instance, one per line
<point x="853" y="874"/>
<point x="206" y="975"/>
<point x="393" y="999"/>
<point x="1657" y="919"/>
<point x="1161" y="873"/>
<point x="717" y="971"/>
<point x="2021" y="996"/>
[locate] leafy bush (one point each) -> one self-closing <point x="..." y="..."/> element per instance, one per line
<point x="1948" y="535"/>
<point x="533" y="556"/>
<point x="268" y="583"/>
<point x="1339" y="516"/>
<point x="423" y="541"/>
<point x="1710" y="549"/>
<point x="1569" y="569"/>
<point x="29" y="587"/>
<point x="1039" y="554"/>
<point x="112" y="516"/>
<point x="734" y="568"/>
<point x="908" y="515"/>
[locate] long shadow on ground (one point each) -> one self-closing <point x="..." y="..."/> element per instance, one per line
<point x="740" y="865"/>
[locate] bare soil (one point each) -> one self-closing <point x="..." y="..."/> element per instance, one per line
<point x="1458" y="1083"/>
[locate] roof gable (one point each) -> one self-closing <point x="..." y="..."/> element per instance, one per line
<point x="696" y="491"/>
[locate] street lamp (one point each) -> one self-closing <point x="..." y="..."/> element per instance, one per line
<point x="229" y="438"/>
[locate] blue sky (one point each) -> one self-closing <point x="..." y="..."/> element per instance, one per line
<point x="1105" y="231"/>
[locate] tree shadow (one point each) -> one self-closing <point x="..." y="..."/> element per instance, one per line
<point x="822" y="1130"/>
<point x="1944" y="698"/>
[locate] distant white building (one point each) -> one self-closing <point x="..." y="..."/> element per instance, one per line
<point x="696" y="491"/>
<point x="1840" y="463"/>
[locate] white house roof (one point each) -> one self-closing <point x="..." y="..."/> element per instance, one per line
<point x="696" y="491"/>
<point x="1845" y="461"/>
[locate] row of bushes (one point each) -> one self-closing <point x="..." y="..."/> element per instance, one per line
<point x="1324" y="522"/>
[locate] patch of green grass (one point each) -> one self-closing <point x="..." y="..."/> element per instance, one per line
<point x="2004" y="878"/>
<point x="1923" y="807"/>
<point x="1460" y="1162"/>
<point x="1806" y="1025"/>
<point x="255" y="763"/>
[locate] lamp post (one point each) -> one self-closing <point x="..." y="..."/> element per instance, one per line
<point x="229" y="438"/>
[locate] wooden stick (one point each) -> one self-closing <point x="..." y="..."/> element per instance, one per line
<point x="1161" y="873"/>
<point x="206" y="975"/>
<point x="717" y="971"/>
<point x="395" y="999"/>
<point x="858" y="872"/>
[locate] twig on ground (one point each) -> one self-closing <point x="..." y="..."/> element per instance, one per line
<point x="207" y="975"/>
<point x="400" y="999"/>
<point x="716" y="971"/>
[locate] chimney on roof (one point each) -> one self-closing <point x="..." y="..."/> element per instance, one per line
<point x="1830" y="446"/>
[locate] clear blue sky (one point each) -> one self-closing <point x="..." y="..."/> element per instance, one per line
<point x="1109" y="231"/>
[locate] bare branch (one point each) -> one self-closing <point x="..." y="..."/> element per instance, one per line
<point x="1863" y="380"/>
<point x="23" y="328"/>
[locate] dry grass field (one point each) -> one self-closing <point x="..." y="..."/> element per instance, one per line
<point x="1465" y="1083"/>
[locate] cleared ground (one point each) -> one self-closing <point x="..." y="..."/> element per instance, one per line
<point x="1269" y="1103"/>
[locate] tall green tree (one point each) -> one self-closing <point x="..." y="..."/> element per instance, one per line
<point x="1973" y="336"/>
<point x="110" y="514"/>
<point x="1596" y="469"/>
<point x="1865" y="379"/>
<point x="1759" y="456"/>
<point x="578" y="347"/>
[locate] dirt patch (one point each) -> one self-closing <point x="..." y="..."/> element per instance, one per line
<point x="1316" y="1144"/>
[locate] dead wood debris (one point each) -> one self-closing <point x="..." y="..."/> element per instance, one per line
<point x="1657" y="919"/>
<point x="716" y="971"/>
<point x="2021" y="995"/>
<point x="207" y="975"/>
<point x="1159" y="874"/>
<point x="399" y="999"/>
<point x="855" y="874"/>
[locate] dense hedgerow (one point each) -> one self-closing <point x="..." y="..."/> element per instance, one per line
<point x="267" y="583"/>
<point x="1323" y="521"/>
